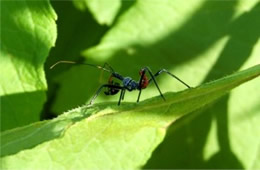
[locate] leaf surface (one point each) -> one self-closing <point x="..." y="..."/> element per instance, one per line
<point x="27" y="34"/>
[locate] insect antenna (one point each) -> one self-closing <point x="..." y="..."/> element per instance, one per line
<point x="110" y="70"/>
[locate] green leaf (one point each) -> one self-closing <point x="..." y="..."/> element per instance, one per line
<point x="103" y="11"/>
<point x="28" y="31"/>
<point x="110" y="136"/>
<point x="144" y="25"/>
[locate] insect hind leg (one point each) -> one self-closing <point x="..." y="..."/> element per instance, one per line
<point x="169" y="73"/>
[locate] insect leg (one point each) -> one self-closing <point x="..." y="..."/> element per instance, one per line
<point x="140" y="85"/>
<point x="108" y="66"/>
<point x="153" y="78"/>
<point x="121" y="96"/>
<point x="166" y="71"/>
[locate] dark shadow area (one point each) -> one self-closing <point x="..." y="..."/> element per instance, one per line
<point x="189" y="142"/>
<point x="177" y="149"/>
<point x="46" y="114"/>
<point x="77" y="30"/>
<point x="224" y="158"/>
<point x="244" y="33"/>
<point x="18" y="110"/>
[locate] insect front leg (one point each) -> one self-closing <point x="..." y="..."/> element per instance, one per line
<point x="153" y="78"/>
<point x="121" y="96"/>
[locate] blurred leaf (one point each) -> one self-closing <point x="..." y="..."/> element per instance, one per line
<point x="103" y="11"/>
<point x="126" y="135"/>
<point x="28" y="32"/>
<point x="143" y="25"/>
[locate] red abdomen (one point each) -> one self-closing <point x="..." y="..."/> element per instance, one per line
<point x="145" y="82"/>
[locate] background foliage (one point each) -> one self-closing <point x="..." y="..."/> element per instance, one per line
<point x="199" y="41"/>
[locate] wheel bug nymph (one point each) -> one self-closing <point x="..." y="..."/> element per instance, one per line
<point x="127" y="82"/>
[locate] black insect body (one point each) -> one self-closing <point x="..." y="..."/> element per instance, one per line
<point x="128" y="83"/>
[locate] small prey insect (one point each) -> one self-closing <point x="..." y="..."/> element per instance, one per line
<point x="128" y="84"/>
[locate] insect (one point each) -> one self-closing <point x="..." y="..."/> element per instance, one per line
<point x="127" y="83"/>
